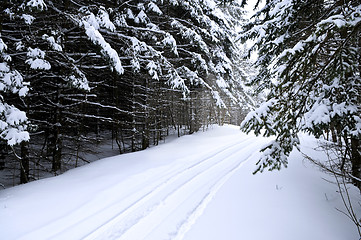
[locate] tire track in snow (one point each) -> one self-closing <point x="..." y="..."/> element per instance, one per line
<point x="171" y="177"/>
<point x="139" y="198"/>
<point x="199" y="209"/>
<point x="148" y="215"/>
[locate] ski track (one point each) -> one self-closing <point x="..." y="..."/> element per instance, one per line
<point x="146" y="210"/>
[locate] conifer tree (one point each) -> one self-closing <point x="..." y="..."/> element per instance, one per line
<point x="310" y="68"/>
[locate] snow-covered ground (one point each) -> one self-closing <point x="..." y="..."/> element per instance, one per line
<point x="196" y="187"/>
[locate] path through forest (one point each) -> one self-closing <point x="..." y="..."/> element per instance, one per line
<point x="196" y="187"/>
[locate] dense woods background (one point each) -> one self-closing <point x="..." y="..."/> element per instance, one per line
<point x="76" y="72"/>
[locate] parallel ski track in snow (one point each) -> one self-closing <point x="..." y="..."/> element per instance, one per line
<point x="186" y="188"/>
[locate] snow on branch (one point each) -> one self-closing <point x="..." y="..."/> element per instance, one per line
<point x="28" y="19"/>
<point x="95" y="36"/>
<point x="103" y="20"/>
<point x="199" y="61"/>
<point x="12" y="120"/>
<point x="154" y="8"/>
<point x="36" y="59"/>
<point x="141" y="17"/>
<point x="176" y="81"/>
<point x="12" y="128"/>
<point x="259" y="118"/>
<point x="152" y="70"/>
<point x="356" y="132"/>
<point x="310" y="72"/>
<point x="11" y="80"/>
<point x="171" y="42"/>
<point x="191" y="35"/>
<point x="273" y="157"/>
<point x="53" y="44"/>
<point x="37" y="4"/>
<point x="350" y="17"/>
<point x="78" y="79"/>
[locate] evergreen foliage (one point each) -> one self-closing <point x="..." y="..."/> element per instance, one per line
<point x="310" y="68"/>
<point x="135" y="68"/>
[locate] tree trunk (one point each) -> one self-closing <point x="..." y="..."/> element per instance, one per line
<point x="56" y="143"/>
<point x="333" y="134"/>
<point x="56" y="151"/>
<point x="145" y="139"/>
<point x="3" y="154"/>
<point x="356" y="161"/>
<point x="24" y="163"/>
<point x="145" y="133"/>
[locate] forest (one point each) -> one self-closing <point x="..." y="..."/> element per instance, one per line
<point x="74" y="73"/>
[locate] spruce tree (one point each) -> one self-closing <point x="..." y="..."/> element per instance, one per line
<point x="309" y="65"/>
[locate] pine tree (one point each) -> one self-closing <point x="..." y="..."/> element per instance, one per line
<point x="310" y="66"/>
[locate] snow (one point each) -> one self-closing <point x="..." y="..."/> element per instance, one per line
<point x="141" y="17"/>
<point x="294" y="203"/>
<point x="36" y="60"/>
<point x="3" y="46"/>
<point x="197" y="58"/>
<point x="317" y="115"/>
<point x="35" y="53"/>
<point x="280" y="7"/>
<point x="16" y="136"/>
<point x="11" y="131"/>
<point x="174" y="2"/>
<point x="152" y="70"/>
<point x="4" y="67"/>
<point x="79" y="82"/>
<point x="104" y="21"/>
<point x="130" y="14"/>
<point x="135" y="64"/>
<point x="19" y="46"/>
<point x="191" y="35"/>
<point x="92" y="20"/>
<point x="259" y="114"/>
<point x="53" y="44"/>
<point x="195" y="187"/>
<point x="154" y="8"/>
<point x="120" y="21"/>
<point x="171" y="42"/>
<point x="221" y="83"/>
<point x="352" y="17"/>
<point x="38" y="63"/>
<point x="95" y="36"/>
<point x="176" y="81"/>
<point x="39" y="4"/>
<point x="15" y="117"/>
<point x="357" y="130"/>
<point x="12" y="81"/>
<point x="337" y="20"/>
<point x="28" y="19"/>
<point x="218" y="99"/>
<point x="23" y="91"/>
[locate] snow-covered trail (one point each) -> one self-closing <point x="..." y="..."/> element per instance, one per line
<point x="159" y="203"/>
<point x="173" y="191"/>
<point x="168" y="210"/>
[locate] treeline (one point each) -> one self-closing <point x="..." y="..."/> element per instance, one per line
<point x="73" y="71"/>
